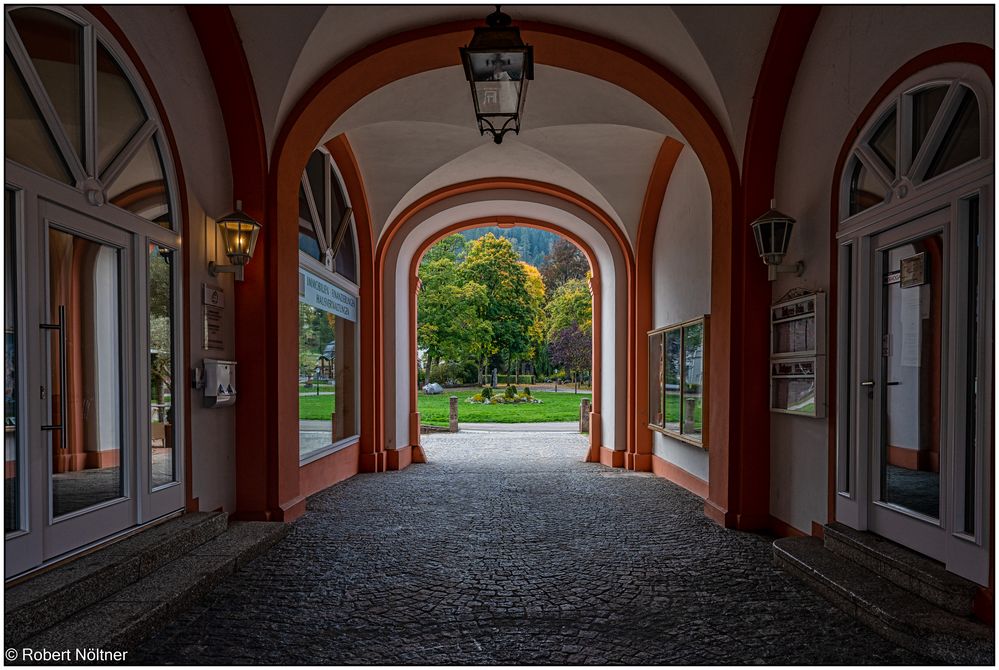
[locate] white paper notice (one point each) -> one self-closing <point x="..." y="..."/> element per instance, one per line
<point x="911" y="327"/>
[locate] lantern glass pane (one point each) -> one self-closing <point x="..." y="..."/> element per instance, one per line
<point x="493" y="98"/>
<point x="503" y="66"/>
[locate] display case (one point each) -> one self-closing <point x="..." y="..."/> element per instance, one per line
<point x="798" y="355"/>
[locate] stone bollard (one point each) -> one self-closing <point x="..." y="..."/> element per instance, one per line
<point x="452" y="418"/>
<point x="584" y="416"/>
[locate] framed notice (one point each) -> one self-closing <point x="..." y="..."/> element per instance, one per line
<point x="213" y="305"/>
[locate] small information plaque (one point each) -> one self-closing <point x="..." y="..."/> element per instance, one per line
<point x="213" y="302"/>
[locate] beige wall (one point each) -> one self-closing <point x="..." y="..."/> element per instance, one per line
<point x="169" y="49"/>
<point x="852" y="51"/>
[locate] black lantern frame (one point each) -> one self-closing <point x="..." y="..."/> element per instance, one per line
<point x="772" y="232"/>
<point x="239" y="237"/>
<point x="498" y="66"/>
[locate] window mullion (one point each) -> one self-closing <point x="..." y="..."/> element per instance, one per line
<point x="328" y="198"/>
<point x="936" y="133"/>
<point x="317" y="223"/>
<point x="90" y="101"/>
<point x="41" y="98"/>
<point x="112" y="171"/>
<point x="682" y="373"/>
<point x="874" y="163"/>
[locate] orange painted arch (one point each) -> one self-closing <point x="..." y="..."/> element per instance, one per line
<point x="434" y="47"/>
<point x="593" y="454"/>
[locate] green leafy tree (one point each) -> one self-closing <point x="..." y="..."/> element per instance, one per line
<point x="494" y="263"/>
<point x="571" y="303"/>
<point x="451" y="324"/>
<point x="451" y="247"/>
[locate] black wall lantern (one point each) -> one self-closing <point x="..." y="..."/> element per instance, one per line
<point x="773" y="234"/>
<point x="498" y="66"/>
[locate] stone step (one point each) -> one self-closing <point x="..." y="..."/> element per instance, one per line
<point x="891" y="611"/>
<point x="43" y="600"/>
<point x="119" y="622"/>
<point x="911" y="571"/>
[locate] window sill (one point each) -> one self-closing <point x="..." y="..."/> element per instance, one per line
<point x="330" y="449"/>
<point x="678" y="436"/>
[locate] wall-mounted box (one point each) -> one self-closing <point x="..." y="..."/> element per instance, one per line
<point x="218" y="380"/>
<point x="797" y="355"/>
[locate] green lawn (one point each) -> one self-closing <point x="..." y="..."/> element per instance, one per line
<point x="434" y="408"/>
<point x="316" y="406"/>
<point x="554" y="407"/>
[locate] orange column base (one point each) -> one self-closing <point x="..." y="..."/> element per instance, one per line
<point x="399" y="459"/>
<point x="419" y="456"/>
<point x="611" y="457"/>
<point x="638" y="462"/>
<point x="593" y="455"/>
<point x="374" y="462"/>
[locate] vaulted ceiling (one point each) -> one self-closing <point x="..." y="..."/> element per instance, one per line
<point x="419" y="134"/>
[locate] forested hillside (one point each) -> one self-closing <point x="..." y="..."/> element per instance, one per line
<point x="531" y="243"/>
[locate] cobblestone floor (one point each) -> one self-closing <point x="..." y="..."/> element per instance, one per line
<point x="507" y="548"/>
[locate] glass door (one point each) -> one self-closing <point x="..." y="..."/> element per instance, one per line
<point x="84" y="379"/>
<point x="907" y="383"/>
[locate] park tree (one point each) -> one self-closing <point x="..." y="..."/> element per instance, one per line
<point x="451" y="315"/>
<point x="571" y="303"/>
<point x="494" y="263"/>
<point x="563" y="263"/>
<point x="451" y="247"/>
<point x="571" y="348"/>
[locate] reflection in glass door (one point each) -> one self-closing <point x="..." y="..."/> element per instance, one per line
<point x="85" y="376"/>
<point x="911" y="332"/>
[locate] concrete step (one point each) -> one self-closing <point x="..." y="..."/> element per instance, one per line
<point x="911" y="571"/>
<point x="891" y="611"/>
<point x="128" y="616"/>
<point x="43" y="600"/>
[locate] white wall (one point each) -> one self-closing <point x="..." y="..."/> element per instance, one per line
<point x="169" y="49"/>
<point x="852" y="51"/>
<point x="681" y="268"/>
<point x="505" y="203"/>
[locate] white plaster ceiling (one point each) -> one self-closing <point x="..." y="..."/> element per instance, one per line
<point x="418" y="134"/>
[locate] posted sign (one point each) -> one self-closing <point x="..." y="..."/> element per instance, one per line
<point x="323" y="295"/>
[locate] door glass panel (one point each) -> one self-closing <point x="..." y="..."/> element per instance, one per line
<point x="84" y="295"/>
<point x="961" y="143"/>
<point x="55" y="45"/>
<point x="27" y="139"/>
<point x="911" y="373"/>
<point x="883" y="141"/>
<point x="161" y="366"/>
<point x="11" y="416"/>
<point x="141" y="188"/>
<point x="119" y="112"/>
<point x="925" y="105"/>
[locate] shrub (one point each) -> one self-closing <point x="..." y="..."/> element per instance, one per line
<point x="511" y="391"/>
<point x="527" y="391"/>
<point x="487" y="393"/>
<point x="476" y="398"/>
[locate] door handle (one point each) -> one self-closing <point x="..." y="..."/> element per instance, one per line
<point x="892" y="383"/>
<point x="868" y="383"/>
<point x="60" y="327"/>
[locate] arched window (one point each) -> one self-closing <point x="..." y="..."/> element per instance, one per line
<point x="327" y="314"/>
<point x="74" y="114"/>
<point x="93" y="290"/>
<point x="924" y="133"/>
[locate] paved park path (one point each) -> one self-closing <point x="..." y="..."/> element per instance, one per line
<point x="506" y="548"/>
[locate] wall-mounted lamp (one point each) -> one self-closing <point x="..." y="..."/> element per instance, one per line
<point x="239" y="235"/>
<point x="773" y="233"/>
<point x="498" y="66"/>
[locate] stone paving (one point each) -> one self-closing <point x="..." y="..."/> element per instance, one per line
<point x="507" y="549"/>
